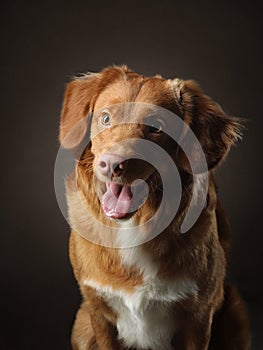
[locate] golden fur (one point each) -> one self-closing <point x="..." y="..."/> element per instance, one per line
<point x="199" y="256"/>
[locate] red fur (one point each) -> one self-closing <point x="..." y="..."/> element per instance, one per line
<point x="200" y="255"/>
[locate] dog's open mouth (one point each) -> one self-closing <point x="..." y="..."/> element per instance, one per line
<point x="116" y="201"/>
<point x="120" y="200"/>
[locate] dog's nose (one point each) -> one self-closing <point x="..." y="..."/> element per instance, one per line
<point x="111" y="164"/>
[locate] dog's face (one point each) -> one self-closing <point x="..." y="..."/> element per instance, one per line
<point x="125" y="113"/>
<point x="125" y="108"/>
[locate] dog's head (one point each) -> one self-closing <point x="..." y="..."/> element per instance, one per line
<point x="120" y="108"/>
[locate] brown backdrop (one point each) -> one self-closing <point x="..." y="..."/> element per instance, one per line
<point x="43" y="44"/>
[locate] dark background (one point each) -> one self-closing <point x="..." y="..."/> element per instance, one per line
<point x="45" y="43"/>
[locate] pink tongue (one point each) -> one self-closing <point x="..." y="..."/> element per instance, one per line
<point x="116" y="201"/>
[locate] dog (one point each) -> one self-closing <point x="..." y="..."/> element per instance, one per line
<point x="163" y="291"/>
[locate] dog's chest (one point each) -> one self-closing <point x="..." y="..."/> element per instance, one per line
<point x="145" y="317"/>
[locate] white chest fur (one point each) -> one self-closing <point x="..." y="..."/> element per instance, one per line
<point x="145" y="317"/>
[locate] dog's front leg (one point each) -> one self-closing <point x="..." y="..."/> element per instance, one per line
<point x="195" y="334"/>
<point x="93" y="331"/>
<point x="105" y="333"/>
<point x="192" y="341"/>
<point x="82" y="337"/>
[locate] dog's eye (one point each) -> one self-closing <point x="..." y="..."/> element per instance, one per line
<point x="155" y="127"/>
<point x="105" y="119"/>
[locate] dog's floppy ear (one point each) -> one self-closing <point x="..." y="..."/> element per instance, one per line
<point x="215" y="131"/>
<point x="78" y="98"/>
